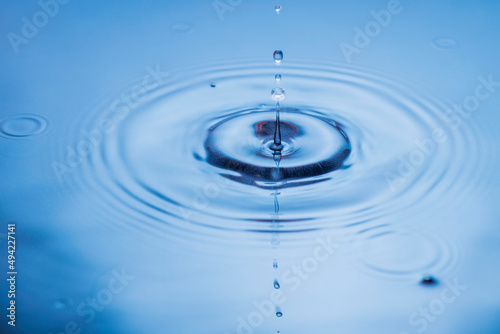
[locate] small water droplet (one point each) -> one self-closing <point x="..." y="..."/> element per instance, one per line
<point x="445" y="43"/>
<point x="279" y="314"/>
<point x="213" y="85"/>
<point x="275" y="264"/>
<point x="278" y="9"/>
<point x="428" y="280"/>
<point x="278" y="56"/>
<point x="181" y="27"/>
<point x="62" y="304"/>
<point x="278" y="94"/>
<point x="278" y="78"/>
<point x="276" y="284"/>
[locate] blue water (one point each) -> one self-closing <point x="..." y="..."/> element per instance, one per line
<point x="138" y="166"/>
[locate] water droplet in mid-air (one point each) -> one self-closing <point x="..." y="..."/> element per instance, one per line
<point x="213" y="85"/>
<point x="279" y="314"/>
<point x="278" y="94"/>
<point x="428" y="280"/>
<point x="276" y="284"/>
<point x="275" y="264"/>
<point x="278" y="9"/>
<point x="278" y="78"/>
<point x="278" y="56"/>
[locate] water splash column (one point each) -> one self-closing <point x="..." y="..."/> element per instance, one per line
<point x="277" y="94"/>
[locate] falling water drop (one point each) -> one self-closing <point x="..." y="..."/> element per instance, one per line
<point x="278" y="56"/>
<point x="278" y="9"/>
<point x="279" y="314"/>
<point x="278" y="94"/>
<point x="278" y="78"/>
<point x="275" y="264"/>
<point x="213" y="85"/>
<point x="276" y="284"/>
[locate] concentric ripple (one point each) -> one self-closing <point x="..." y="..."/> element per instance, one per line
<point x="312" y="146"/>
<point x="22" y="125"/>
<point x="392" y="252"/>
<point x="360" y="148"/>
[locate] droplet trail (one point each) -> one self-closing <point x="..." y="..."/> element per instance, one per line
<point x="277" y="158"/>
<point x="276" y="203"/>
